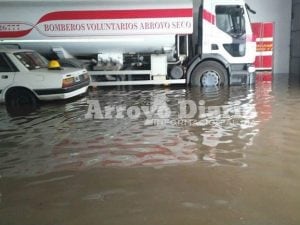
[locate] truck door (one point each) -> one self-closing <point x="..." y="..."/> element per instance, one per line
<point x="233" y="33"/>
<point x="230" y="22"/>
<point x="7" y="72"/>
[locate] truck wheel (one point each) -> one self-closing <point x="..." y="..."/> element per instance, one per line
<point x="20" y="101"/>
<point x="209" y="73"/>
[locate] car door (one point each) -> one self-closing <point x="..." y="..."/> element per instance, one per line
<point x="7" y="72"/>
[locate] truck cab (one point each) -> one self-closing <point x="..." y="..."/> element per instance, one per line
<point x="225" y="46"/>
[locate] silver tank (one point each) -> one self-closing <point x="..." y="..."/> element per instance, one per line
<point x="45" y="32"/>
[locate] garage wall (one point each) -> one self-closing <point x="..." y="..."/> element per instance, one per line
<point x="295" y="37"/>
<point x="278" y="11"/>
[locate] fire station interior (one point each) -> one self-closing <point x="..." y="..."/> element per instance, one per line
<point x="285" y="17"/>
<point x="171" y="154"/>
<point x="278" y="13"/>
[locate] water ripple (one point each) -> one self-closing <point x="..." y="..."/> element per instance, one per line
<point x="58" y="137"/>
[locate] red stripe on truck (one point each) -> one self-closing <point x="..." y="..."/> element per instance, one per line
<point x="209" y="17"/>
<point x="14" y="34"/>
<point x="117" y="14"/>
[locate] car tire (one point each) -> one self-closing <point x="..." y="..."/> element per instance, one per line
<point x="209" y="73"/>
<point x="20" y="101"/>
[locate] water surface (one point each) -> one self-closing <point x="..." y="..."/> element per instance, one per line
<point x="236" y="162"/>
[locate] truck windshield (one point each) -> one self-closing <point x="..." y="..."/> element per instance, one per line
<point x="230" y="19"/>
<point x="31" y="60"/>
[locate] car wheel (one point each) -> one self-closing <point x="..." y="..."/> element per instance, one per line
<point x="209" y="74"/>
<point x="20" y="101"/>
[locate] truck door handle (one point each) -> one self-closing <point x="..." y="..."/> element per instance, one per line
<point x="4" y="77"/>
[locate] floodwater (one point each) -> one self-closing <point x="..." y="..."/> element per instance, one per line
<point x="236" y="160"/>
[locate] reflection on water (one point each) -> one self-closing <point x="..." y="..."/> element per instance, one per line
<point x="234" y="160"/>
<point x="58" y="136"/>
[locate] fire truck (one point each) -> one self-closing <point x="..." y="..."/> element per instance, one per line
<point x="138" y="42"/>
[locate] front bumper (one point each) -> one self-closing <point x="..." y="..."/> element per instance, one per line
<point x="63" y="93"/>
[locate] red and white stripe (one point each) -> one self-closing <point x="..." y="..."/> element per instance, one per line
<point x="264" y="33"/>
<point x="141" y="21"/>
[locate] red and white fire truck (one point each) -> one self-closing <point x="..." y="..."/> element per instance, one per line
<point x="135" y="42"/>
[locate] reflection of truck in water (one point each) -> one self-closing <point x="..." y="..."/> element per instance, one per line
<point x="206" y="43"/>
<point x="219" y="135"/>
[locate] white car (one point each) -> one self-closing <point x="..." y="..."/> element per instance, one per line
<point x="25" y="78"/>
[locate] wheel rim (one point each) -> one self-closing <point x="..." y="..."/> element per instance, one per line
<point x="210" y="78"/>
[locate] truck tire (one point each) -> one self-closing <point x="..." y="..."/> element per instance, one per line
<point x="20" y="101"/>
<point x="209" y="73"/>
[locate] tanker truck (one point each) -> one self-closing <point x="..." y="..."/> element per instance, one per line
<point x="138" y="42"/>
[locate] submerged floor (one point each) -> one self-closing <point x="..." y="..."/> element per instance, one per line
<point x="236" y="160"/>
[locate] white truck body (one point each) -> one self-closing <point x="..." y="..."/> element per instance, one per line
<point x="119" y="39"/>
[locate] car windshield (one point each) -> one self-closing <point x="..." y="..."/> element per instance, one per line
<point x="32" y="60"/>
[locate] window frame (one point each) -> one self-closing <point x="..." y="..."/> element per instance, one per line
<point x="12" y="68"/>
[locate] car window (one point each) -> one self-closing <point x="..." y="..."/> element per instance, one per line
<point x="4" y="66"/>
<point x="32" y="60"/>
